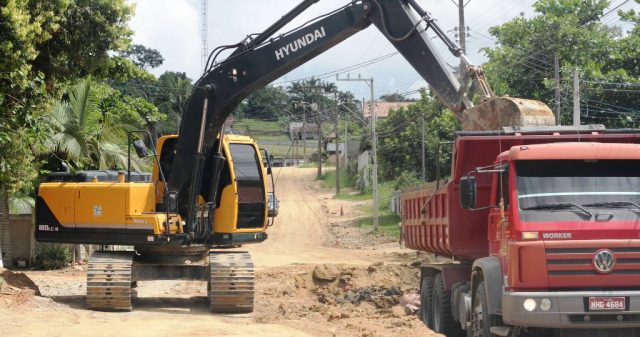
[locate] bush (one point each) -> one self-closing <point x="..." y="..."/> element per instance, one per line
<point x="313" y="158"/>
<point x="53" y="257"/>
<point x="407" y="179"/>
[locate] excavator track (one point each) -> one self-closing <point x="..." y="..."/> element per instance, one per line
<point x="109" y="281"/>
<point x="231" y="282"/>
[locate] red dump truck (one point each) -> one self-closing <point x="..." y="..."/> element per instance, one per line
<point x="541" y="230"/>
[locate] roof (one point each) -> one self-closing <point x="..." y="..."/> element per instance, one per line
<point x="575" y="151"/>
<point x="382" y="108"/>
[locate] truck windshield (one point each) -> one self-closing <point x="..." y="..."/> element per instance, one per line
<point x="541" y="184"/>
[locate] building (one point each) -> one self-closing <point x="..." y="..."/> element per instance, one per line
<point x="296" y="130"/>
<point x="382" y="108"/>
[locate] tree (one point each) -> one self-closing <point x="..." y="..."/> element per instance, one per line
<point x="82" y="136"/>
<point x="393" y="98"/>
<point x="143" y="57"/>
<point x="129" y="112"/>
<point x="266" y="103"/>
<point x="399" y="137"/>
<point x="522" y="63"/>
<point x="78" y="45"/>
<point x="173" y="89"/>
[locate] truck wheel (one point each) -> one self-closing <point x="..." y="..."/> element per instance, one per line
<point x="441" y="310"/>
<point x="426" y="297"/>
<point x="481" y="320"/>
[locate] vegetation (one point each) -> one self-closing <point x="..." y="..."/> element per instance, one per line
<point x="606" y="57"/>
<point x="69" y="94"/>
<point x="53" y="257"/>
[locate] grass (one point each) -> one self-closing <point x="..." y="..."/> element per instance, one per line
<point x="254" y="127"/>
<point x="387" y="221"/>
<point x="278" y="150"/>
<point x="329" y="178"/>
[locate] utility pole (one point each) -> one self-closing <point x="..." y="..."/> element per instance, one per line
<point x="556" y="66"/>
<point x="346" y="143"/>
<point x="319" y="125"/>
<point x="304" y="135"/>
<point x="337" y="129"/>
<point x="576" y="97"/>
<point x="461" y="31"/>
<point x="424" y="167"/>
<point x="374" y="146"/>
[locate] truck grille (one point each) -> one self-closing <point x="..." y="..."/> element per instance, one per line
<point x="573" y="266"/>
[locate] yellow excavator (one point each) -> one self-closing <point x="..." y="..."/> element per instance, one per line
<point x="209" y="191"/>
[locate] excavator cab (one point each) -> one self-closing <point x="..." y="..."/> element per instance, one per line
<point x="242" y="192"/>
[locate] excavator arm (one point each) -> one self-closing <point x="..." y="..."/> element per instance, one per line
<point x="256" y="62"/>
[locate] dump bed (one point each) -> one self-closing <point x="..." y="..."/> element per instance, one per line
<point x="444" y="227"/>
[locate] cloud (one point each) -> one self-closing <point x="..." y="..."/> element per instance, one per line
<point x="173" y="28"/>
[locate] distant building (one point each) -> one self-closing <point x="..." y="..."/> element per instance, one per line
<point x="296" y="130"/>
<point x="382" y="108"/>
<point x="331" y="148"/>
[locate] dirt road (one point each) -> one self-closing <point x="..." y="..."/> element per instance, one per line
<point x="361" y="300"/>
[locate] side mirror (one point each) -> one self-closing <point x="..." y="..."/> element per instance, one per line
<point x="468" y="191"/>
<point x="141" y="149"/>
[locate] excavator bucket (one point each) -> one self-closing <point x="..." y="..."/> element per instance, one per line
<point x="500" y="112"/>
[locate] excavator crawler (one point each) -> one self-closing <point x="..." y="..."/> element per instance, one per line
<point x="209" y="192"/>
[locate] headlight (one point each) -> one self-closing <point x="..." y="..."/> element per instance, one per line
<point x="529" y="304"/>
<point x="545" y="304"/>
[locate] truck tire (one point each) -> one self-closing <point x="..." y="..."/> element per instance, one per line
<point x="481" y="320"/>
<point x="441" y="310"/>
<point x="426" y="299"/>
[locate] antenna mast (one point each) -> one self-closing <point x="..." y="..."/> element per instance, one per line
<point x="205" y="48"/>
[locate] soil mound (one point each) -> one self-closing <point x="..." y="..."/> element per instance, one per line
<point x="17" y="281"/>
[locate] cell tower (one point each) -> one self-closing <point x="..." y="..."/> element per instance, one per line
<point x="205" y="48"/>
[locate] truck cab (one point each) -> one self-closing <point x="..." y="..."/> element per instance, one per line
<point x="541" y="231"/>
<point x="566" y="233"/>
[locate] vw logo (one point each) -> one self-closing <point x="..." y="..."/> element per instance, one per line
<point x="603" y="261"/>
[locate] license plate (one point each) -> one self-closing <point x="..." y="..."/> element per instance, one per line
<point x="607" y="303"/>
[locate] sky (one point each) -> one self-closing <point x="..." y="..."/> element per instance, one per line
<point x="174" y="27"/>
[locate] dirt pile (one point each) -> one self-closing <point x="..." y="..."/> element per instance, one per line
<point x="341" y="299"/>
<point x="10" y="281"/>
<point x="349" y="236"/>
<point x="16" y="288"/>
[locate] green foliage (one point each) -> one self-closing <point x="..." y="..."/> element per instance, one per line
<point x="521" y="65"/>
<point x="266" y="103"/>
<point x="395" y="98"/>
<point x="44" y="46"/>
<point x="407" y="179"/>
<point x="170" y="96"/>
<point x="53" y="257"/>
<point x="314" y="100"/>
<point x="329" y="178"/>
<point x="126" y="110"/>
<point x="83" y="136"/>
<point x="143" y="57"/>
<point x="84" y="34"/>
<point x="399" y="142"/>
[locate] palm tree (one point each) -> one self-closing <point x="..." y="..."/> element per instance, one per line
<point x="83" y="137"/>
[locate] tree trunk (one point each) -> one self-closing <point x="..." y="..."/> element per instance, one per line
<point x="5" y="235"/>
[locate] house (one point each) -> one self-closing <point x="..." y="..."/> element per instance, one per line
<point x="298" y="129"/>
<point x="382" y="108"/>
<point x="331" y="148"/>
